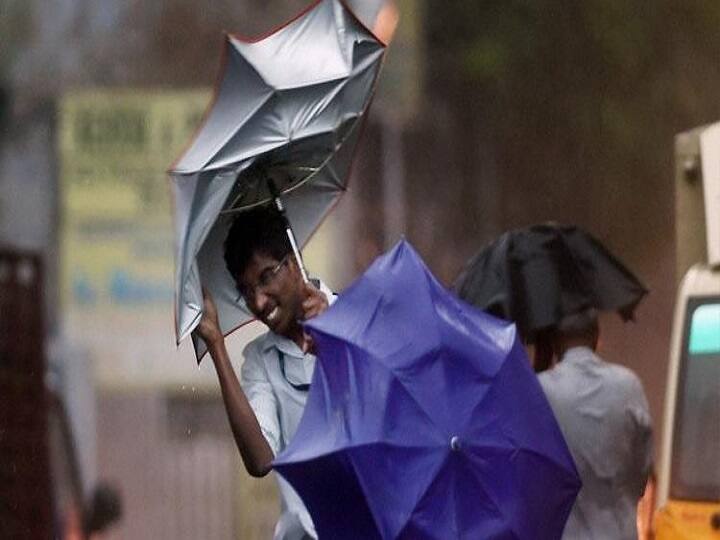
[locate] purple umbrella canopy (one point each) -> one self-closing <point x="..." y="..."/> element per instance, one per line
<point x="424" y="419"/>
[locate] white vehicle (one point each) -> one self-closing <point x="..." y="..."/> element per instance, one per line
<point x="688" y="483"/>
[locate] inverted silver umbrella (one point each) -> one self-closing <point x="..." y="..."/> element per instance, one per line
<point x="282" y="129"/>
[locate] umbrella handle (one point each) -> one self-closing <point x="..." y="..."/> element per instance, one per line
<point x="288" y="229"/>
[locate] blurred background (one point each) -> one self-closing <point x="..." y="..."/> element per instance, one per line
<point x="489" y="115"/>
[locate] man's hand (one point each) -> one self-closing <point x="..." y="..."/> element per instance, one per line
<point x="209" y="327"/>
<point x="314" y="304"/>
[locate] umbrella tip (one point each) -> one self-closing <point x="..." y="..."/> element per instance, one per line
<point x="455" y="443"/>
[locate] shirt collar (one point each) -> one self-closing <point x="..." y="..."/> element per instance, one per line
<point x="578" y="354"/>
<point x="288" y="346"/>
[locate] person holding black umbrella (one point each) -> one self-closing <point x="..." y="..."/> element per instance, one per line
<point x="264" y="409"/>
<point x="536" y="275"/>
<point x="603" y="413"/>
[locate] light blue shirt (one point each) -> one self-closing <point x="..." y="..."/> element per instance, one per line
<point x="278" y="407"/>
<point x="603" y="413"/>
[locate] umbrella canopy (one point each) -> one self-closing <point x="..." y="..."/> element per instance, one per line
<point x="538" y="275"/>
<point x="287" y="108"/>
<point x="424" y="419"/>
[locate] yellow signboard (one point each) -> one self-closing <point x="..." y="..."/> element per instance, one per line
<point x="117" y="237"/>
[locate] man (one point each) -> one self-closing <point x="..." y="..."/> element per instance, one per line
<point x="264" y="413"/>
<point x="603" y="414"/>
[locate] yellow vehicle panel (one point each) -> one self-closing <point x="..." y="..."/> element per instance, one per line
<point x="682" y="520"/>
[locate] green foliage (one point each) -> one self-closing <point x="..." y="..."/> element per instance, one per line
<point x="566" y="109"/>
<point x="597" y="68"/>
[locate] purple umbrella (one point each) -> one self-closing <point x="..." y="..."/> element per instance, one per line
<point x="424" y="419"/>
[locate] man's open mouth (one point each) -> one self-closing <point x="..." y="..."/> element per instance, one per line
<point x="273" y="315"/>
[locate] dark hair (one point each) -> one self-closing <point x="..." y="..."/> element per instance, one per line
<point x="259" y="230"/>
<point x="543" y="354"/>
<point x="103" y="509"/>
<point x="579" y="325"/>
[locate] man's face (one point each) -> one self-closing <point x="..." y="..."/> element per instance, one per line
<point x="273" y="291"/>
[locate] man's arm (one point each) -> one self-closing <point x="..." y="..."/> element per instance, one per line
<point x="254" y="449"/>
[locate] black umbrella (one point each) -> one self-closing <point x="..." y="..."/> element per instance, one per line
<point x="537" y="275"/>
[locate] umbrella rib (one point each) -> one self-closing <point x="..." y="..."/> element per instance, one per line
<point x="365" y="489"/>
<point x="424" y="494"/>
<point x="364" y="66"/>
<point x="498" y="507"/>
<point x="291" y="189"/>
<point x="414" y="400"/>
<point x="395" y="377"/>
<point x="480" y="403"/>
<point x="314" y="171"/>
<point x="224" y="142"/>
<point x="537" y="454"/>
<point x="545" y="458"/>
<point x="370" y="61"/>
<point x="431" y="285"/>
<point x="479" y="406"/>
<point x="360" y="446"/>
<point x="523" y="449"/>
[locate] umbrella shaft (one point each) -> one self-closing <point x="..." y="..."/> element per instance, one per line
<point x="288" y="229"/>
<point x="296" y="252"/>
